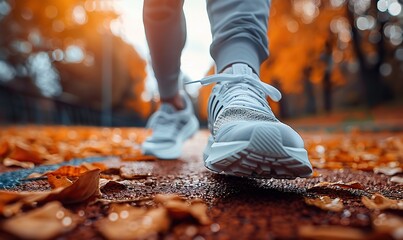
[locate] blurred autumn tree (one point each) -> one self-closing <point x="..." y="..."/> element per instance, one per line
<point x="333" y="54"/>
<point x="60" y="50"/>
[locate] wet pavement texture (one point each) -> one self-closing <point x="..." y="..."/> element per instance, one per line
<point x="240" y="208"/>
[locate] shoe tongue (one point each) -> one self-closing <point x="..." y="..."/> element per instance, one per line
<point x="239" y="69"/>
<point x="168" y="108"/>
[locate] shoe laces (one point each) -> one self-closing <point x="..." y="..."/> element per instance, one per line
<point x="240" y="82"/>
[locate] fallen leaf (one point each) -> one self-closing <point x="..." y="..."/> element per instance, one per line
<point x="46" y="222"/>
<point x="349" y="185"/>
<point x="380" y="202"/>
<point x="315" y="174"/>
<point x="24" y="153"/>
<point x="397" y="179"/>
<point x="330" y="233"/>
<point x="326" y="203"/>
<point x="388" y="224"/>
<point x="136" y="157"/>
<point x="9" y="162"/>
<point x="85" y="187"/>
<point x="69" y="171"/>
<point x="131" y="173"/>
<point x="58" y="181"/>
<point x="199" y="212"/>
<point x="389" y="171"/>
<point x="178" y="208"/>
<point x="94" y="165"/>
<point x="35" y="175"/>
<point x="127" y="222"/>
<point x="4" y="149"/>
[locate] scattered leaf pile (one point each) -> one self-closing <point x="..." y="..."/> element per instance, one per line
<point x="383" y="225"/>
<point x="28" y="146"/>
<point x="382" y="155"/>
<point x="26" y="212"/>
<point x="127" y="222"/>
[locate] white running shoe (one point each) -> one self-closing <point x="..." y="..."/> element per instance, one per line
<point x="247" y="139"/>
<point x="170" y="129"/>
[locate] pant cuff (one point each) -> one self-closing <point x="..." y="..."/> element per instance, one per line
<point x="238" y="50"/>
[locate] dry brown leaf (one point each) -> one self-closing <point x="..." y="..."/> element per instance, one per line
<point x="330" y="233"/>
<point x="326" y="203"/>
<point x="380" y="202"/>
<point x="46" y="222"/>
<point x="24" y="153"/>
<point x="389" y="171"/>
<point x="179" y="209"/>
<point x="340" y="184"/>
<point x="9" y="162"/>
<point x="131" y="173"/>
<point x="35" y="175"/>
<point x="397" y="179"/>
<point x="315" y="174"/>
<point x="6" y="198"/>
<point x="85" y="187"/>
<point x="58" y="181"/>
<point x="388" y="224"/>
<point x="69" y="171"/>
<point x="127" y="222"/>
<point x="95" y="165"/>
<point x="4" y="149"/>
<point x="199" y="212"/>
<point x="137" y="157"/>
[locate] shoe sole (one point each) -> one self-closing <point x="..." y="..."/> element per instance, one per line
<point x="263" y="156"/>
<point x="175" y="151"/>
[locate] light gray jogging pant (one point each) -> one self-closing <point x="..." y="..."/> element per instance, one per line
<point x="239" y="30"/>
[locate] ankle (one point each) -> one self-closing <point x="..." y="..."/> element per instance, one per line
<point x="176" y="101"/>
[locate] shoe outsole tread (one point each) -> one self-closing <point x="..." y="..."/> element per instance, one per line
<point x="264" y="157"/>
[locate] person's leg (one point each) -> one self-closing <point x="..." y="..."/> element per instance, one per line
<point x="239" y="30"/>
<point x="174" y="122"/>
<point x="165" y="29"/>
<point x="246" y="138"/>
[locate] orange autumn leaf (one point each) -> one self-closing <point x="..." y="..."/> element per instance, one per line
<point x="4" y="149"/>
<point x="135" y="157"/>
<point x="179" y="208"/>
<point x="127" y="222"/>
<point x="380" y="202"/>
<point x="45" y="222"/>
<point x="340" y="184"/>
<point x="397" y="179"/>
<point x="389" y="171"/>
<point x="330" y="232"/>
<point x="85" y="187"/>
<point x="24" y="153"/>
<point x="388" y="224"/>
<point x="9" y="162"/>
<point x="326" y="203"/>
<point x="130" y="173"/>
<point x="69" y="171"/>
<point x="58" y="181"/>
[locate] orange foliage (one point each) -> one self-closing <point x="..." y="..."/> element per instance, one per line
<point x="296" y="44"/>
